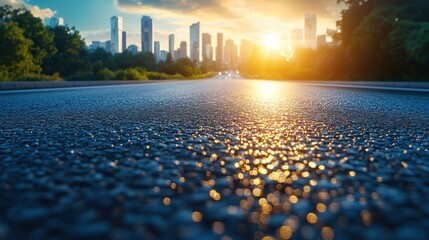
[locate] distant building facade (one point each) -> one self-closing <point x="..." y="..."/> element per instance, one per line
<point x="321" y="41"/>
<point x="94" y="45"/>
<point x="246" y="50"/>
<point x="163" y="55"/>
<point x="219" y="48"/>
<point x="194" y="42"/>
<point x="107" y="46"/>
<point x="56" y="22"/>
<point x="147" y="34"/>
<point x="124" y="41"/>
<point x="183" y="50"/>
<point x="116" y="34"/>
<point x="207" y="47"/>
<point x="157" y="52"/>
<point x="231" y="54"/>
<point x="133" y="49"/>
<point x="296" y="38"/>
<point x="171" y="44"/>
<point x="310" y="31"/>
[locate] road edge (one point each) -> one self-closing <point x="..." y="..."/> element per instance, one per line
<point x="395" y="86"/>
<point x="11" y="86"/>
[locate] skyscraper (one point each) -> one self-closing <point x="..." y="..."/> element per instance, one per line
<point x="310" y="31"/>
<point x="195" y="42"/>
<point x="157" y="51"/>
<point x="321" y="41"/>
<point x="296" y="38"/>
<point x="171" y="44"/>
<point x="124" y="41"/>
<point x="163" y="56"/>
<point x="107" y="46"/>
<point x="183" y="50"/>
<point x="231" y="54"/>
<point x="94" y="45"/>
<point x="246" y="50"/>
<point x="147" y="34"/>
<point x="56" y="22"/>
<point x="176" y="54"/>
<point x="207" y="47"/>
<point x="219" y="48"/>
<point x="116" y="34"/>
<point x="133" y="49"/>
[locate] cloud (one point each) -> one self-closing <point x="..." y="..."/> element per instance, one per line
<point x="285" y="10"/>
<point x="35" y="10"/>
<point x="96" y="35"/>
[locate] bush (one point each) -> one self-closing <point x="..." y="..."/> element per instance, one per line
<point x="163" y="76"/>
<point x="4" y="76"/>
<point x="42" y="77"/>
<point x="105" y="74"/>
<point x="132" y="74"/>
<point x="81" y="77"/>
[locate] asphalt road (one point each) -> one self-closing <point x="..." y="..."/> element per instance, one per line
<point x="221" y="158"/>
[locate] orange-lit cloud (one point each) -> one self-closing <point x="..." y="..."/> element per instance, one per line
<point x="288" y="10"/>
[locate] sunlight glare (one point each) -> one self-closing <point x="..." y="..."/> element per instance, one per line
<point x="271" y="42"/>
<point x="267" y="92"/>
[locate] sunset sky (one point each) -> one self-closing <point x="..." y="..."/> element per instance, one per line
<point x="237" y="19"/>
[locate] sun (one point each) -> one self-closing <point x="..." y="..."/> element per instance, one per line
<point x="271" y="42"/>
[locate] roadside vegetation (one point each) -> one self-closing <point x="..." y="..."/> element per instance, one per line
<point x="32" y="52"/>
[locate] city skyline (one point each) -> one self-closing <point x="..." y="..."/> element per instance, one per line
<point x="201" y="47"/>
<point x="173" y="17"/>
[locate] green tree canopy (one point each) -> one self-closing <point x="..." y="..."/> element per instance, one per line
<point x="385" y="39"/>
<point x="71" y="57"/>
<point x="16" y="61"/>
<point x="34" y="30"/>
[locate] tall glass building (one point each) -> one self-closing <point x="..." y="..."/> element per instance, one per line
<point x="147" y="34"/>
<point x="157" y="52"/>
<point x="219" y="48"/>
<point x="195" y="42"/>
<point x="207" y="47"/>
<point x="171" y="44"/>
<point x="124" y="41"/>
<point x="310" y="31"/>
<point x="116" y="34"/>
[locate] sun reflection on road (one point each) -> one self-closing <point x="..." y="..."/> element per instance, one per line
<point x="278" y="172"/>
<point x="267" y="91"/>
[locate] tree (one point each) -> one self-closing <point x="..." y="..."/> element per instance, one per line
<point x="102" y="56"/>
<point x="34" y="30"/>
<point x="169" y="59"/>
<point x="126" y="60"/>
<point x="16" y="61"/>
<point x="384" y="39"/>
<point x="417" y="45"/>
<point x="72" y="56"/>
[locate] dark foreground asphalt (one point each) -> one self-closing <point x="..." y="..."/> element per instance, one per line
<point x="214" y="159"/>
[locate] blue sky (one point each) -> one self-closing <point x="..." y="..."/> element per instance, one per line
<point x="237" y="19"/>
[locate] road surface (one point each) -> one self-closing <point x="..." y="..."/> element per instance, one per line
<point x="220" y="158"/>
